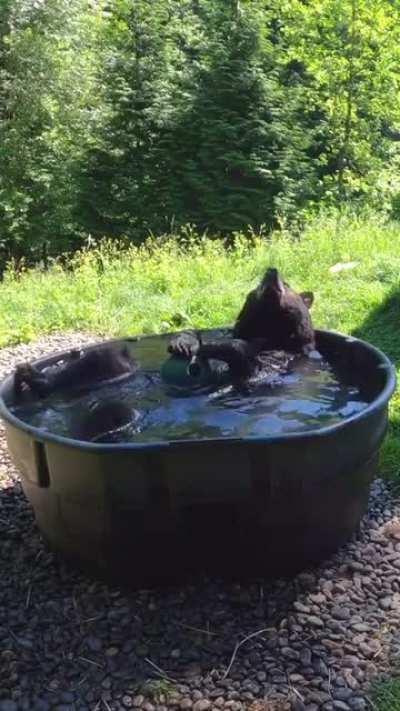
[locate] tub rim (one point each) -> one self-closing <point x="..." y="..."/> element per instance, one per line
<point x="48" y="437"/>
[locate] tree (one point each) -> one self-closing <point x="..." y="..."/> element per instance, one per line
<point x="351" y="49"/>
<point x="47" y="72"/>
<point x="120" y="192"/>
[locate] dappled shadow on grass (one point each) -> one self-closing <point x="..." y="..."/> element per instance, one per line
<point x="382" y="329"/>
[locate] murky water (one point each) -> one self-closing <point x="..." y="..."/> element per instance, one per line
<point x="144" y="409"/>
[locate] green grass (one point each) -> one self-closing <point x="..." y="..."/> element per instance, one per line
<point x="386" y="696"/>
<point x="173" y="284"/>
<point x="198" y="282"/>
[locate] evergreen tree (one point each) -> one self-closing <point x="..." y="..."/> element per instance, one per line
<point x="234" y="158"/>
<point x="128" y="116"/>
<point x="46" y="75"/>
<point x="120" y="189"/>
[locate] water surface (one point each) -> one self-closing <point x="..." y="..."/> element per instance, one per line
<point x="310" y="396"/>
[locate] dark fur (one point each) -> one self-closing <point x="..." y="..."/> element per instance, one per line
<point x="103" y="418"/>
<point x="244" y="359"/>
<point x="274" y="318"/>
<point x="277" y="314"/>
<point x="83" y="369"/>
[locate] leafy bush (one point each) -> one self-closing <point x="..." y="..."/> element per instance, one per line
<point x="134" y="118"/>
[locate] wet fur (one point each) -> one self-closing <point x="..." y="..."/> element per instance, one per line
<point x="273" y="323"/>
<point x="246" y="360"/>
<point x="83" y="369"/>
<point x="103" y="418"/>
<point x="277" y="314"/>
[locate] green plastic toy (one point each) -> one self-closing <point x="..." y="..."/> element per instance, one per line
<point x="175" y="372"/>
<point x="182" y="373"/>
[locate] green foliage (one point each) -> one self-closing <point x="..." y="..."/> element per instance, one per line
<point x="46" y="80"/>
<point x="121" y="172"/>
<point x="197" y="127"/>
<point x="236" y="156"/>
<point x="350" y="49"/>
<point x="126" y="118"/>
<point x="386" y="696"/>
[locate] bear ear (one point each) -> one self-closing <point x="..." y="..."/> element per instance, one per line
<point x="308" y="298"/>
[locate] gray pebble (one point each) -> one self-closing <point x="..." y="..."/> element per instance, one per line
<point x="8" y="705"/>
<point x="361" y="627"/>
<point x="202" y="705"/>
<point x="315" y="621"/>
<point x="289" y="653"/>
<point x="357" y="703"/>
<point x="342" y="693"/>
<point x="306" y="657"/>
<point x="318" y="697"/>
<point x="297" y="705"/>
<point x="299" y="607"/>
<point x="341" y="613"/>
<point x="252" y="686"/>
<point x="385" y="603"/>
<point x="68" y="697"/>
<point x="94" y="644"/>
<point x="321" y="668"/>
<point x="41" y="705"/>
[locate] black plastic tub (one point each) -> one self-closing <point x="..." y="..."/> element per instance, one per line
<point x="156" y="513"/>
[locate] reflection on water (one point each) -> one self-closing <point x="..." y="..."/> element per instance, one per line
<point x="144" y="410"/>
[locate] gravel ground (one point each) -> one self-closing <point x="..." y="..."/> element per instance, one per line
<point x="68" y="642"/>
